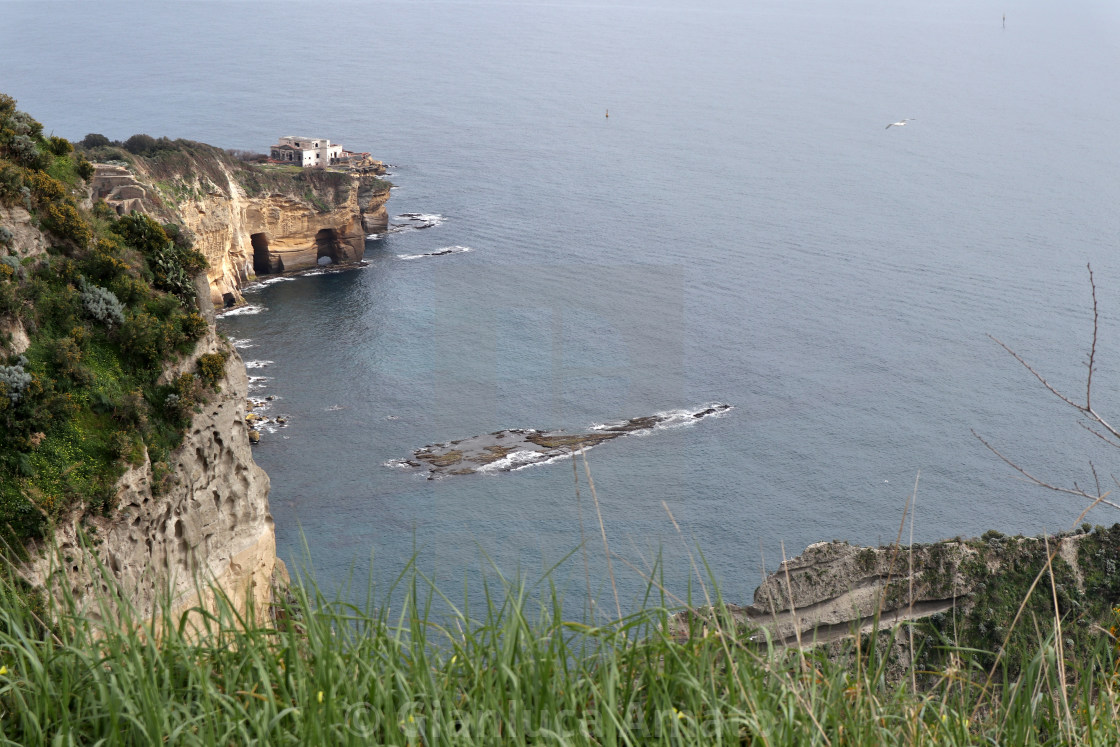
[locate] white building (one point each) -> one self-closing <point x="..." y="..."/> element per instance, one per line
<point x="306" y="151"/>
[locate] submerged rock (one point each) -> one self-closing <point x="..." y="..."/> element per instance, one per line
<point x="503" y="451"/>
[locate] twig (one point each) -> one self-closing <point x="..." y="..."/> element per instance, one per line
<point x="1007" y="638"/>
<point x="910" y="612"/>
<point x="1042" y="483"/>
<point x="603" y="529"/>
<point x="792" y="607"/>
<point x="1093" y="344"/>
<point x="1058" y="632"/>
<point x="582" y="537"/>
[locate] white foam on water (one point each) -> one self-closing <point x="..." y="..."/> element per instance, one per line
<point x="243" y="310"/>
<point x="398" y="464"/>
<point x="671" y="419"/>
<point x="333" y="408"/>
<point x="373" y="237"/>
<point x="513" y="461"/>
<point x="258" y="364"/>
<point x="416" y="222"/>
<point x="262" y="284"/>
<point x="441" y="252"/>
<point x="241" y="344"/>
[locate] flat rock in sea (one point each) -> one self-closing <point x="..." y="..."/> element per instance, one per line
<point x="502" y="451"/>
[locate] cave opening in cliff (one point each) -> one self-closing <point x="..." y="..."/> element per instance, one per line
<point x="327" y="245"/>
<point x="261" y="265"/>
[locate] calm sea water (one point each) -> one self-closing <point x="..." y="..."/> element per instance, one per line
<point x="742" y="228"/>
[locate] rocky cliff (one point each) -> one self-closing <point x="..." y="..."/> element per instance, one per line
<point x="208" y="521"/>
<point x="964" y="593"/>
<point x="109" y="361"/>
<point x="249" y="219"/>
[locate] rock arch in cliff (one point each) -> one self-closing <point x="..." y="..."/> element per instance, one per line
<point x="327" y="244"/>
<point x="262" y="265"/>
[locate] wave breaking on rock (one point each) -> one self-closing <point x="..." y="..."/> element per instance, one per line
<point x="518" y="448"/>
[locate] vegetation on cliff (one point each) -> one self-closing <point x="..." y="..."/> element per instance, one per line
<point x="104" y="308"/>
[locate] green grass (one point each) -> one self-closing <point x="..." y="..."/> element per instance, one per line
<point x="512" y="667"/>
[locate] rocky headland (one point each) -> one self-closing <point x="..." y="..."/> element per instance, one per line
<point x="248" y="219"/>
<point x="958" y="593"/>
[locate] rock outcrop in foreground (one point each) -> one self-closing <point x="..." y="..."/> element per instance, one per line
<point x="249" y="219"/>
<point x="965" y="592"/>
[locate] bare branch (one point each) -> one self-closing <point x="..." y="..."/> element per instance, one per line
<point x="1093" y="345"/>
<point x="1042" y="483"/>
<point x="1102" y="422"/>
<point x="1101" y="436"/>
<point x="1037" y="375"/>
<point x="1098" y="426"/>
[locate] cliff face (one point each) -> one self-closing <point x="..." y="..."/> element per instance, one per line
<point x="211" y="522"/>
<point x="248" y="219"/>
<point x="26" y="242"/>
<point x="207" y="521"/>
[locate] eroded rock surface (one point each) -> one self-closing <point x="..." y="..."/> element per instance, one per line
<point x="247" y="220"/>
<point x="208" y="521"/>
<point x="503" y="451"/>
<point x="834" y="589"/>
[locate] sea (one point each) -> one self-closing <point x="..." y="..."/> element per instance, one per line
<point x="652" y="206"/>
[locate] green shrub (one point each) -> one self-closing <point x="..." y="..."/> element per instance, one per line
<point x="193" y="325"/>
<point x="85" y="168"/>
<point x="147" y="340"/>
<point x="9" y="293"/>
<point x="103" y="211"/>
<point x="94" y="140"/>
<point x="102" y="305"/>
<point x="211" y="368"/>
<point x="63" y="221"/>
<point x="173" y="265"/>
<point x="26" y="152"/>
<point x="66" y="358"/>
<point x="140" y="144"/>
<point x="103" y="263"/>
<point x="11" y="184"/>
<point x="59" y="146"/>
<point x="46" y="188"/>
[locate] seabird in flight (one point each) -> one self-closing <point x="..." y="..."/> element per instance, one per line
<point x="899" y="124"/>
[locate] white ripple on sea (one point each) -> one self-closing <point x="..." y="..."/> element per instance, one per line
<point x="257" y="364"/>
<point x="671" y="419"/>
<point x="262" y="284"/>
<point x="438" y="252"/>
<point x="241" y="344"/>
<point x="415" y="222"/>
<point x="243" y="310"/>
<point x="520" y="460"/>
